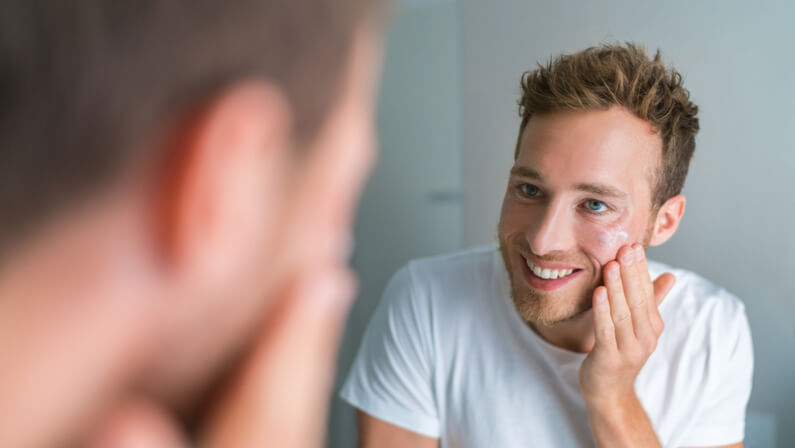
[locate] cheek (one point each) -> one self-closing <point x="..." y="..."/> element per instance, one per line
<point x="602" y="241"/>
<point x="515" y="218"/>
<point x="507" y="224"/>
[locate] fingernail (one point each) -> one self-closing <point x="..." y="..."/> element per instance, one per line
<point x="601" y="296"/>
<point x="612" y="272"/>
<point x="628" y="257"/>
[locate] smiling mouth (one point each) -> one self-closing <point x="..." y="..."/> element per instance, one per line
<point x="549" y="274"/>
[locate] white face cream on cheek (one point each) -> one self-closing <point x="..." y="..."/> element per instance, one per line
<point x="613" y="237"/>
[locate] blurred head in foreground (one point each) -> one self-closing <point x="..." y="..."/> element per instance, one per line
<point x="166" y="168"/>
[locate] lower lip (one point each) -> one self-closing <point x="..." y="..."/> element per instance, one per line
<point x="549" y="284"/>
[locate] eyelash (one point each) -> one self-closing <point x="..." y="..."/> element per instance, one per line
<point x="521" y="187"/>
<point x="594" y="212"/>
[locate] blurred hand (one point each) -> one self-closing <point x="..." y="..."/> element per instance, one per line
<point x="279" y="396"/>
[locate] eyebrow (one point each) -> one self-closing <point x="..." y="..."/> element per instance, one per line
<point x="602" y="190"/>
<point x="593" y="188"/>
<point x="523" y="171"/>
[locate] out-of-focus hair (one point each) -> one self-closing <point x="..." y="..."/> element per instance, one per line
<point x="620" y="75"/>
<point x="88" y="86"/>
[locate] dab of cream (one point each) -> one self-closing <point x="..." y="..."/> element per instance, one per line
<point x="613" y="237"/>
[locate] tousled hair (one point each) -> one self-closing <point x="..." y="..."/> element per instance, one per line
<point x="610" y="75"/>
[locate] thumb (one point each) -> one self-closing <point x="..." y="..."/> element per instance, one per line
<point x="280" y="395"/>
<point x="662" y="286"/>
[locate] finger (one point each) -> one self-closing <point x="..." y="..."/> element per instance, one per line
<point x="662" y="286"/>
<point x="643" y="269"/>
<point x="619" y="311"/>
<point x="655" y="320"/>
<point x="280" y="396"/>
<point x="635" y="291"/>
<point x="603" y="324"/>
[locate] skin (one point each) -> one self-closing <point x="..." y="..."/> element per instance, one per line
<point x="579" y="197"/>
<point x="213" y="289"/>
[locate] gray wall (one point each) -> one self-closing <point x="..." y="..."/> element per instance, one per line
<point x="738" y="59"/>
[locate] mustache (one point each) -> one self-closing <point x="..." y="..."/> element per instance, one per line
<point x="554" y="257"/>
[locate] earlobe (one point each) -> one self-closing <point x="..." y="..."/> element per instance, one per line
<point x="667" y="221"/>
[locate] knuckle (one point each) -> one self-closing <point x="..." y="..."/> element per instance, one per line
<point x="638" y="304"/>
<point x="621" y="317"/>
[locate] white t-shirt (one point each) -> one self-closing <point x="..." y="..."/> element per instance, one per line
<point x="446" y="355"/>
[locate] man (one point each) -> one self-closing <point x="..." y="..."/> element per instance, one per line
<point x="555" y="339"/>
<point x="177" y="184"/>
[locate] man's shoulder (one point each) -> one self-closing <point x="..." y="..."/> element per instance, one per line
<point x="695" y="298"/>
<point x="467" y="264"/>
<point x="459" y="274"/>
<point x="476" y="256"/>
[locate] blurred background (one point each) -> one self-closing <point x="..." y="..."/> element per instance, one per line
<point x="448" y="122"/>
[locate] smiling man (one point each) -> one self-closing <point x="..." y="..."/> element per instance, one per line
<point x="565" y="335"/>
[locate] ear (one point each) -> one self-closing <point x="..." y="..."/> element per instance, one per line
<point x="667" y="220"/>
<point x="221" y="188"/>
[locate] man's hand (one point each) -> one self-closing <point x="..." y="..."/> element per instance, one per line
<point x="627" y="323"/>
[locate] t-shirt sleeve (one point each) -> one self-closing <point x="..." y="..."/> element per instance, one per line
<point x="721" y="421"/>
<point x="391" y="377"/>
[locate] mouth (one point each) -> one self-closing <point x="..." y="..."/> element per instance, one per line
<point x="548" y="277"/>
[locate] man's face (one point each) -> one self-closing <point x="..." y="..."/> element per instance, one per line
<point x="578" y="191"/>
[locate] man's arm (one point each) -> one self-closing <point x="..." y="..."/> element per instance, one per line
<point x="374" y="432"/>
<point x="627" y="418"/>
<point x="735" y="445"/>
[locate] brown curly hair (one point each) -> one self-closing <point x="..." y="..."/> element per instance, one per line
<point x="620" y="75"/>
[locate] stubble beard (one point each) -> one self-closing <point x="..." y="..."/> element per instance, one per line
<point x="545" y="308"/>
<point x="550" y="308"/>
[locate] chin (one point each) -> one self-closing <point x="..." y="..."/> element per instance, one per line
<point x="548" y="309"/>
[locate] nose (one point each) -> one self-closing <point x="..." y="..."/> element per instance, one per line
<point x="552" y="232"/>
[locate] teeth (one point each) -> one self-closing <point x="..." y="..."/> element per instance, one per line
<point x="549" y="274"/>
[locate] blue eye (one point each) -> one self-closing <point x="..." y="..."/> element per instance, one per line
<point x="529" y="190"/>
<point x="596" y="206"/>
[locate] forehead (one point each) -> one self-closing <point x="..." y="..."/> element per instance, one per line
<point x="606" y="146"/>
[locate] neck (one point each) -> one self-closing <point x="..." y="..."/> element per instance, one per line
<point x="575" y="334"/>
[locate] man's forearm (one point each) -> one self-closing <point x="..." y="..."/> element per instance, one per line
<point x="621" y="424"/>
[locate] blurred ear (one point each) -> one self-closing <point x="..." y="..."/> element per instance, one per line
<point x="223" y="187"/>
<point x="667" y="221"/>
